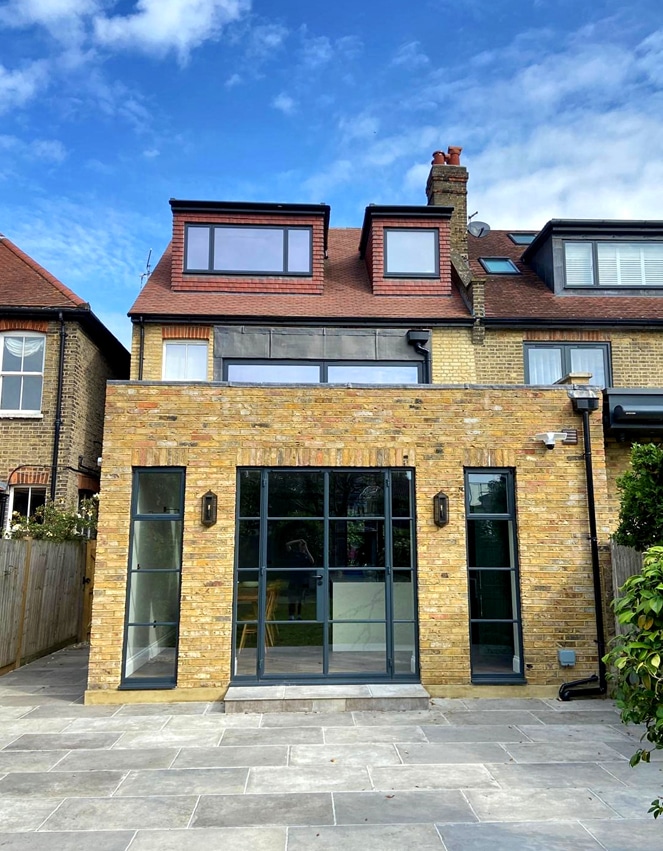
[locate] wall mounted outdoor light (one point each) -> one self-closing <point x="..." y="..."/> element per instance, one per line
<point x="440" y="509"/>
<point x="208" y="507"/>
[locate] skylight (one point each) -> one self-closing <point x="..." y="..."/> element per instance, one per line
<point x="522" y="238"/>
<point x="499" y="265"/>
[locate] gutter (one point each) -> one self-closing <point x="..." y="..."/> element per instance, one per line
<point x="584" y="404"/>
<point x="58" y="410"/>
<point x="141" y="346"/>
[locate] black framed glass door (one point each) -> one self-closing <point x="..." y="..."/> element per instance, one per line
<point x="325" y="575"/>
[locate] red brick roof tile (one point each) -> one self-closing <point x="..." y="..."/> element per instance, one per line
<point x="24" y="283"/>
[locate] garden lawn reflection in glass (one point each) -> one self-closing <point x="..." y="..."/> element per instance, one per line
<point x="494" y="600"/>
<point x="153" y="590"/>
<point x="325" y="582"/>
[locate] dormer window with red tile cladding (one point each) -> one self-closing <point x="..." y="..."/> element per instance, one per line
<point x="246" y="247"/>
<point x="407" y="250"/>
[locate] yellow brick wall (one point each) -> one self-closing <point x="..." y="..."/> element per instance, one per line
<point x="453" y="356"/>
<point x="153" y="353"/>
<point x="212" y="430"/>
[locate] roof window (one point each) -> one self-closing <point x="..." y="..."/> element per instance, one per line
<point x="522" y="237"/>
<point x="499" y="265"/>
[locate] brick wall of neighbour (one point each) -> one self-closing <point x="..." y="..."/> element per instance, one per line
<point x="186" y="281"/>
<point x="453" y="356"/>
<point x="437" y="431"/>
<point x="153" y="347"/>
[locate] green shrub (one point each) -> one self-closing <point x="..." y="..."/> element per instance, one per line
<point x="636" y="657"/>
<point x="56" y="522"/>
<point x="641" y="510"/>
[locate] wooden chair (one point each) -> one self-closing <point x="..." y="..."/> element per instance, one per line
<point x="271" y="630"/>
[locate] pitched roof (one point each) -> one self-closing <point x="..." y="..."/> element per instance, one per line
<point x="24" y="283"/>
<point x="525" y="297"/>
<point x="347" y="295"/>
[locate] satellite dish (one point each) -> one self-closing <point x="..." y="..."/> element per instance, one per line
<point x="479" y="229"/>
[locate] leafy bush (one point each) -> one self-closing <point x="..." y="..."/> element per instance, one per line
<point x="637" y="656"/>
<point x="641" y="514"/>
<point x="57" y="522"/>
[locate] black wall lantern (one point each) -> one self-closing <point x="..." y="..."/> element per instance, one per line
<point x="441" y="509"/>
<point x="208" y="505"/>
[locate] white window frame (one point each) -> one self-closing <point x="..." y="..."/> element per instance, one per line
<point x="586" y="272"/>
<point x="22" y="412"/>
<point x="186" y="344"/>
<point x="10" y="500"/>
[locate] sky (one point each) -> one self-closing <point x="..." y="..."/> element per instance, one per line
<point x="108" y="108"/>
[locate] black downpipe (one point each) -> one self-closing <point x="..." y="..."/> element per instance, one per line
<point x="426" y="353"/>
<point x="141" y="347"/>
<point x="573" y="688"/>
<point x="58" y="411"/>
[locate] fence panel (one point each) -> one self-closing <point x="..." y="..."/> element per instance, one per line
<point x="625" y="562"/>
<point x="41" y="598"/>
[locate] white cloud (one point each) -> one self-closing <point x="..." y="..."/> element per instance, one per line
<point x="410" y="56"/>
<point x="265" y="39"/>
<point x="19" y="86"/>
<point x="232" y="81"/>
<point x="159" y="26"/>
<point x="316" y="51"/>
<point x="358" y="127"/>
<point x="48" y="150"/>
<point x="151" y="153"/>
<point x="284" y="103"/>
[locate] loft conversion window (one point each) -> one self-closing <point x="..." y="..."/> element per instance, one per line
<point x="21" y="373"/>
<point x="184" y="361"/>
<point x="322" y="372"/>
<point x="522" y="238"/>
<point x="546" y="363"/>
<point x="248" y="249"/>
<point x="410" y="253"/>
<point x="613" y="264"/>
<point x="499" y="266"/>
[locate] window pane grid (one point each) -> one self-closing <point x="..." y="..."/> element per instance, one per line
<point x="21" y="372"/>
<point x="249" y="249"/>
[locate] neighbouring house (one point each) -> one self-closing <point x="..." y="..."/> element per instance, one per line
<point x="55" y="359"/>
<point x="376" y="454"/>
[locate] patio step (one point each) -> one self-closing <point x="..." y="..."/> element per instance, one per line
<point x="327" y="698"/>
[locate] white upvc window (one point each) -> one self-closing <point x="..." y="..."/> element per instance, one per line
<point x="24" y="500"/>
<point x="21" y="372"/>
<point x="184" y="361"/>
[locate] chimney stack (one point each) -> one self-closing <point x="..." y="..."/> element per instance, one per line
<point x="447" y="187"/>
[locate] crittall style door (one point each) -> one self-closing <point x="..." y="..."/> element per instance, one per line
<point x="325" y="582"/>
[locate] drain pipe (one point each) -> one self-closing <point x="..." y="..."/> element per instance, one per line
<point x="141" y="346"/>
<point x="58" y="411"/>
<point x="584" y="405"/>
<point x="416" y="338"/>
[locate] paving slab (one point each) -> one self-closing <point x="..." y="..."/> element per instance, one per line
<point x="25" y="814"/>
<point x="308" y="778"/>
<point x="549" y="716"/>
<point x="212" y="723"/>
<point x="628" y="748"/>
<point x="117" y="760"/>
<point x="561" y="752"/>
<point x="538" y="804"/>
<point x="475" y="733"/>
<point x="263" y="810"/>
<point x="18" y="726"/>
<point x="66" y="841"/>
<point x="211" y="839"/>
<point x="305" y="719"/>
<point x="161" y="709"/>
<point x="349" y="735"/>
<point x="62" y="741"/>
<point x="407" y="718"/>
<point x="274" y="736"/>
<point x="59" y="784"/>
<point x="518" y="836"/>
<point x="552" y="776"/>
<point x="625" y="834"/>
<point x="393" y="837"/>
<point x="643" y="776"/>
<point x="452" y="752"/>
<point x="183" y="781"/>
<point x="350" y="755"/>
<point x="628" y="802"/>
<point x="121" y="813"/>
<point x="420" y="807"/>
<point x="585" y="733"/>
<point x="71" y="710"/>
<point x="492" y="716"/>
<point x="432" y="777"/>
<point x="229" y="757"/>
<point x="29" y="760"/>
<point x="169" y="739"/>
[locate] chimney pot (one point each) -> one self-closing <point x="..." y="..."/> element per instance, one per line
<point x="439" y="158"/>
<point x="453" y="157"/>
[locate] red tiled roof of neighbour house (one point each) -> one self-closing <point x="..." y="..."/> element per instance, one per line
<point x="347" y="294"/>
<point x="24" y="283"/>
<point x="525" y="296"/>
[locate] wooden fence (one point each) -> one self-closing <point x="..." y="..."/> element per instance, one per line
<point x="625" y="562"/>
<point x="45" y="597"/>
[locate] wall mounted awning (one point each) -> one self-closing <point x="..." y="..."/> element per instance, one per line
<point x="633" y="409"/>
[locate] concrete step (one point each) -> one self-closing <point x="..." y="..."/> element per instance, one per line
<point x="327" y="698"/>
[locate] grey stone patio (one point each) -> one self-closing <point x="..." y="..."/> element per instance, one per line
<point x="462" y="775"/>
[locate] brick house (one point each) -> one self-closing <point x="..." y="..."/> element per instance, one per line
<point x="55" y="359"/>
<point x="338" y="469"/>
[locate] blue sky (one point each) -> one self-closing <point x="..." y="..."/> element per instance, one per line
<point x="110" y="107"/>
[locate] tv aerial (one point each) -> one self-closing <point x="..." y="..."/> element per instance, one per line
<point x="477" y="228"/>
<point x="148" y="269"/>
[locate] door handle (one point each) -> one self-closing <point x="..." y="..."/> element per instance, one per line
<point x="320" y="578"/>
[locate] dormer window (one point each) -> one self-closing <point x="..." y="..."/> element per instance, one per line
<point x="410" y="253"/>
<point x="248" y="250"/>
<point x="613" y="264"/>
